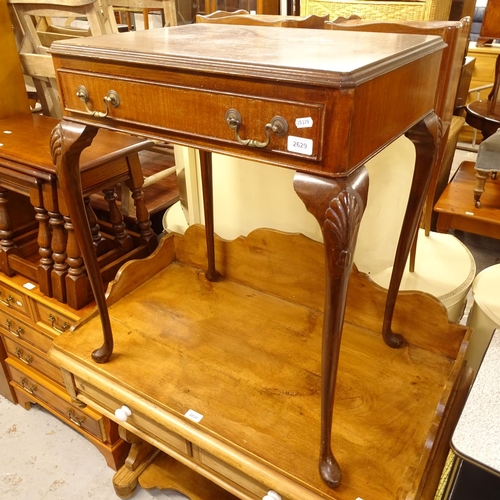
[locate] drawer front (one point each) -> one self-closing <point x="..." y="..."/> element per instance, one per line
<point x="24" y="331"/>
<point x="48" y="317"/>
<point x="33" y="358"/>
<point x="243" y="481"/>
<point x="139" y="421"/>
<point x="12" y="300"/>
<point x="58" y="401"/>
<point x="157" y="104"/>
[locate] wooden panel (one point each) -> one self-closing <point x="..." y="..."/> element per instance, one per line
<point x="11" y="299"/>
<point x="33" y="358"/>
<point x="230" y="473"/>
<point x="5" y="388"/>
<point x="44" y="314"/>
<point x="137" y="419"/>
<point x="255" y="112"/>
<point x="40" y="389"/>
<point x="25" y="331"/>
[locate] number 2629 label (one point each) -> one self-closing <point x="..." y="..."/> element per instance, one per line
<point x="300" y="145"/>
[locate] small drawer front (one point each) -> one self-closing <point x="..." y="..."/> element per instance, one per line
<point x="136" y="419"/>
<point x="157" y="104"/>
<point x="242" y="480"/>
<point x="12" y="300"/>
<point x="33" y="358"/>
<point x="58" y="401"/>
<point x="21" y="330"/>
<point x="57" y="322"/>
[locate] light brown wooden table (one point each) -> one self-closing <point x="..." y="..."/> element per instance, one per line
<point x="319" y="102"/>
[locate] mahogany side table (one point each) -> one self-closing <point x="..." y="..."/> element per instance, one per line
<point x="319" y="102"/>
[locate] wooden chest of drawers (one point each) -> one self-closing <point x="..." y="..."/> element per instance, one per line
<point x="29" y="322"/>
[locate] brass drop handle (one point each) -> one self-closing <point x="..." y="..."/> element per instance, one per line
<point x="24" y="384"/>
<point x="278" y="126"/>
<point x="53" y="320"/>
<point x="111" y="99"/>
<point x="8" y="301"/>
<point x="17" y="332"/>
<point x="27" y="360"/>
<point x="79" y="421"/>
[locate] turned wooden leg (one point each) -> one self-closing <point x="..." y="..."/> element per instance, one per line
<point x="6" y="234"/>
<point x="60" y="268"/>
<point x="46" y="262"/>
<point x="116" y="219"/>
<point x="141" y="454"/>
<point x="208" y="208"/>
<point x="338" y="205"/>
<point x="481" y="178"/>
<point x="77" y="283"/>
<point x="100" y="243"/>
<point x="424" y="136"/>
<point x="134" y="184"/>
<point x="68" y="140"/>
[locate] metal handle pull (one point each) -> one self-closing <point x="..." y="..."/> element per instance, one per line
<point x="53" y="320"/>
<point x="79" y="421"/>
<point x="7" y="302"/>
<point x="278" y="126"/>
<point x="24" y="384"/>
<point x="27" y="360"/>
<point x="16" y="333"/>
<point x="111" y="99"/>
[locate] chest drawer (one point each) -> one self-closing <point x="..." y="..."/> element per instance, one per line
<point x="21" y="330"/>
<point x="12" y="300"/>
<point x="35" y="359"/>
<point x="42" y="391"/>
<point x="158" y="104"/>
<point x="136" y="419"/>
<point x="55" y="320"/>
<point x="249" y="485"/>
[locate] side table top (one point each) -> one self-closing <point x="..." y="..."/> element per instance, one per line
<point x="321" y="57"/>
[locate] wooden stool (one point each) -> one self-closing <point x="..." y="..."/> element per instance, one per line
<point x="26" y="167"/>
<point x="484" y="316"/>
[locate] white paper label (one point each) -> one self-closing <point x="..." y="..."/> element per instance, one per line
<point x="193" y="415"/>
<point x="300" y="145"/>
<point x="29" y="286"/>
<point x="304" y="122"/>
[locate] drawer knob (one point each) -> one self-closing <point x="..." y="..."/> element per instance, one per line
<point x="278" y="126"/>
<point x="111" y="99"/>
<point x="272" y="495"/>
<point x="123" y="413"/>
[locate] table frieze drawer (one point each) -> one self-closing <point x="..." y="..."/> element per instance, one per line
<point x="48" y="317"/>
<point x="244" y="481"/>
<point x="158" y="104"/>
<point x="12" y="300"/>
<point x="33" y="358"/>
<point x="21" y="330"/>
<point x="40" y="390"/>
<point x="136" y="419"/>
